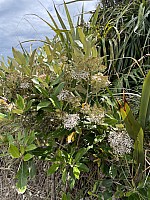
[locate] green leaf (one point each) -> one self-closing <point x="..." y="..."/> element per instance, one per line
<point x="43" y="104"/>
<point x="56" y="103"/>
<point x="31" y="168"/>
<point x="140" y="17"/>
<point x="2" y="116"/>
<point x="19" y="57"/>
<point x="58" y="89"/>
<point x="145" y="102"/>
<point x="56" y="27"/>
<point x="138" y="148"/>
<point x="83" y="167"/>
<point x="29" y="138"/>
<point x="64" y="176"/>
<point x="14" y="151"/>
<point x="22" y="176"/>
<point x="76" y="172"/>
<point x="60" y="19"/>
<point x="17" y="111"/>
<point x="104" y="50"/>
<point x="42" y="91"/>
<point x="35" y="80"/>
<point x="22" y="150"/>
<point x="132" y="126"/>
<point x="80" y="154"/>
<point x="71" y="182"/>
<point x="95" y="16"/>
<point x="31" y="59"/>
<point x="53" y="168"/>
<point x="99" y="138"/>
<point x="69" y="20"/>
<point x="107" y="183"/>
<point x="10" y="139"/>
<point x="20" y="102"/>
<point x="66" y="196"/>
<point x="74" y="1"/>
<point x="30" y="147"/>
<point x="28" y="156"/>
<point x="28" y="105"/>
<point x="112" y="171"/>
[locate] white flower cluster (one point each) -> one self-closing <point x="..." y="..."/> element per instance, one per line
<point x="70" y="121"/>
<point x="96" y="117"/>
<point x="24" y="85"/>
<point x="101" y="80"/>
<point x="120" y="141"/>
<point x="94" y="114"/>
<point x="80" y="75"/>
<point x="64" y="95"/>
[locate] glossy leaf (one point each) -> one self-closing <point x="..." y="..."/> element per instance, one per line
<point x="20" y="102"/>
<point x="132" y="126"/>
<point x="76" y="172"/>
<point x="14" y="151"/>
<point x="43" y="104"/>
<point x="22" y="176"/>
<point x="27" y="157"/>
<point x="58" y="89"/>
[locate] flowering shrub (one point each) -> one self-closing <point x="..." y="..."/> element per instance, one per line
<point x="120" y="142"/>
<point x="56" y="106"/>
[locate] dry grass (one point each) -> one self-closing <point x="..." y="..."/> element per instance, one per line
<point x="38" y="189"/>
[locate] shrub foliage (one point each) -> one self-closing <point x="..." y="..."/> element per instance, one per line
<point x="56" y="106"/>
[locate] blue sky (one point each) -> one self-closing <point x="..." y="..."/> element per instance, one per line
<point x="17" y="25"/>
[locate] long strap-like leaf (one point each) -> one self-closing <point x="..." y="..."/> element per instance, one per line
<point x="145" y="102"/>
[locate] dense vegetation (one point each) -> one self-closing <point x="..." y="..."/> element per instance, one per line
<point x="70" y="102"/>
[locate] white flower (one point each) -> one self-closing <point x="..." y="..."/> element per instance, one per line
<point x="80" y="75"/>
<point x="64" y="95"/>
<point x="70" y="121"/>
<point x="93" y="114"/>
<point x="24" y="85"/>
<point x="96" y="117"/>
<point x="101" y="80"/>
<point x="120" y="141"/>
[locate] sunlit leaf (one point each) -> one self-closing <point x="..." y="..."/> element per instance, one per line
<point x="76" y="172"/>
<point x="20" y="58"/>
<point x="70" y="137"/>
<point x="27" y="157"/>
<point x="2" y="116"/>
<point x="43" y="104"/>
<point x="14" y="151"/>
<point x="30" y="147"/>
<point x="20" y="102"/>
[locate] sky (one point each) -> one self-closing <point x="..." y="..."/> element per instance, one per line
<point x="18" y="24"/>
